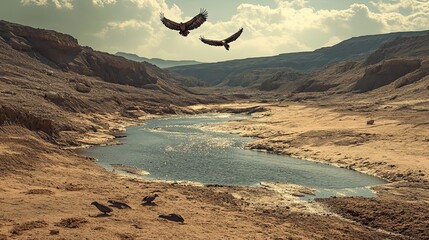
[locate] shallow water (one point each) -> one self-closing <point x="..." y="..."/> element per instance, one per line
<point x="181" y="149"/>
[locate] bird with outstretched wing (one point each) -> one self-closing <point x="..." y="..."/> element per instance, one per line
<point x="224" y="42"/>
<point x="184" y="28"/>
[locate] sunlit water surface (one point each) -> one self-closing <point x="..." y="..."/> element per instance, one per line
<point x="181" y="149"/>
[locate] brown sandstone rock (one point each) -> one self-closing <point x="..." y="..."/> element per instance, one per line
<point x="385" y="73"/>
<point x="19" y="45"/>
<point x="9" y="115"/>
<point x="80" y="87"/>
<point x="53" y="96"/>
<point x="422" y="72"/>
<point x="64" y="52"/>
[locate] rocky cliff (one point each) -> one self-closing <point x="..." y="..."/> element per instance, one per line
<point x="386" y="72"/>
<point x="54" y="87"/>
<point x="399" y="69"/>
<point x="416" y="46"/>
<point x="63" y="52"/>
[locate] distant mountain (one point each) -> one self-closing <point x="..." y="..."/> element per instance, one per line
<point x="161" y="63"/>
<point x="244" y="71"/>
<point x="397" y="70"/>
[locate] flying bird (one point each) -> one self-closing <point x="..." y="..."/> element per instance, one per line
<point x="224" y="42"/>
<point x="104" y="209"/>
<point x="184" y="28"/>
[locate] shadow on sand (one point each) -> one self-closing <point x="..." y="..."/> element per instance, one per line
<point x="101" y="215"/>
<point x="149" y="204"/>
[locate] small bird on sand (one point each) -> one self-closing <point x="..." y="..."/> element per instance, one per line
<point x="104" y="209"/>
<point x="172" y="217"/>
<point x="150" y="199"/>
<point x="119" y="205"/>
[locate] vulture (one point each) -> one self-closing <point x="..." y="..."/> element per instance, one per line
<point x="149" y="199"/>
<point x="184" y="28"/>
<point x="224" y="42"/>
<point x="172" y="217"/>
<point x="104" y="209"/>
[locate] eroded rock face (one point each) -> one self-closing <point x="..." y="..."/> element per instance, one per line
<point x="55" y="46"/>
<point x="9" y="115"/>
<point x="404" y="47"/>
<point x="415" y="76"/>
<point x="385" y="73"/>
<point x="63" y="51"/>
<point x="19" y="45"/>
<point x="111" y="68"/>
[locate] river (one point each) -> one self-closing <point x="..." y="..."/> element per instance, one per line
<point x="183" y="148"/>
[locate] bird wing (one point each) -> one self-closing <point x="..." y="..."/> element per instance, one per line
<point x="125" y="205"/>
<point x="211" y="42"/>
<point x="196" y="21"/>
<point x="148" y="198"/>
<point x="234" y="36"/>
<point x="118" y="204"/>
<point x="103" y="208"/>
<point x="169" y="23"/>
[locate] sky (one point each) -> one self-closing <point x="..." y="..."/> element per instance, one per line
<point x="271" y="27"/>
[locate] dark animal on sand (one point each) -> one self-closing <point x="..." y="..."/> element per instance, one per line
<point x="117" y="204"/>
<point x="224" y="42"/>
<point x="104" y="209"/>
<point x="184" y="28"/>
<point x="150" y="199"/>
<point x="172" y="217"/>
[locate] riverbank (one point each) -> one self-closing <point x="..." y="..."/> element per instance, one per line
<point x="50" y="196"/>
<point x="388" y="148"/>
<point x="46" y="188"/>
<point x="393" y="146"/>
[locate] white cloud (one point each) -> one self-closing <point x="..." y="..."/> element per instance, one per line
<point x="291" y="3"/>
<point x="286" y="26"/>
<point x="60" y="4"/>
<point x="295" y="26"/>
<point x="290" y="26"/>
<point x="403" y="15"/>
<point x="67" y="4"/>
<point x="144" y="33"/>
<point x="133" y="23"/>
<point x="394" y="6"/>
<point x="35" y="2"/>
<point x="102" y="3"/>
